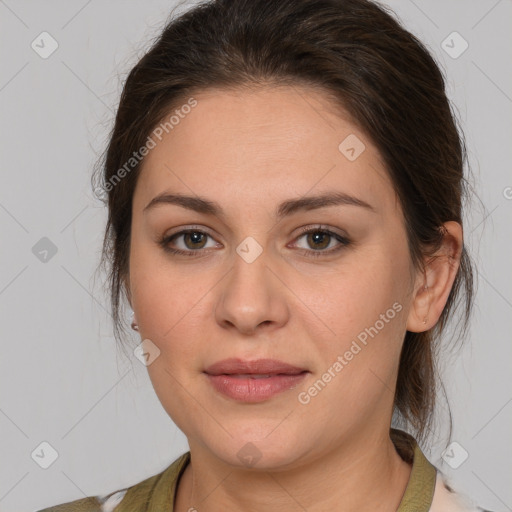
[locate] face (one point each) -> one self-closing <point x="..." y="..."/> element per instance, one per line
<point x="324" y="286"/>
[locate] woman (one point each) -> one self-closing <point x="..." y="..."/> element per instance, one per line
<point x="284" y="185"/>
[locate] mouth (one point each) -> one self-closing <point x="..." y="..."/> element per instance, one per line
<point x="253" y="381"/>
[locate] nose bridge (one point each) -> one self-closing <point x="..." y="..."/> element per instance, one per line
<point x="251" y="294"/>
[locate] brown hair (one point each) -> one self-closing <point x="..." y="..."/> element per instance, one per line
<point x="360" y="56"/>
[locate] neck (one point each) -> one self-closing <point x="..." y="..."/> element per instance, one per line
<point x="365" y="474"/>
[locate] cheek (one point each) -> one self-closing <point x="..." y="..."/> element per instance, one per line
<point x="365" y="309"/>
<point x="173" y="305"/>
<point x="361" y="292"/>
<point x="171" y="311"/>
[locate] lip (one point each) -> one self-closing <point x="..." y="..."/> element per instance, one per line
<point x="258" y="366"/>
<point x="232" y="378"/>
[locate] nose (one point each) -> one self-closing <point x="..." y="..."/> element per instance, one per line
<point x="252" y="297"/>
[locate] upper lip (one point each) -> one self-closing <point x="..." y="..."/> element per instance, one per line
<point x="257" y="366"/>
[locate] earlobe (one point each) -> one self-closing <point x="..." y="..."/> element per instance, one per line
<point x="134" y="324"/>
<point x="435" y="284"/>
<point x="133" y="318"/>
<point x="418" y="320"/>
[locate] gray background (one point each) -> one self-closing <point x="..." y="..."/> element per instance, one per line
<point x="62" y="380"/>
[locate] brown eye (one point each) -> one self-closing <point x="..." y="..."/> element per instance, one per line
<point x="318" y="239"/>
<point x="197" y="239"/>
<point x="189" y="242"/>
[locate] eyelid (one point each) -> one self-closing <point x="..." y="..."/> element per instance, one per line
<point x="191" y="227"/>
<point x="303" y="230"/>
<point x="321" y="227"/>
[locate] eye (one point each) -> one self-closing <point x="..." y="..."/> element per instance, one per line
<point x="321" y="238"/>
<point x="194" y="241"/>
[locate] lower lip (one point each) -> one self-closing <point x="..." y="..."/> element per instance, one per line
<point x="254" y="390"/>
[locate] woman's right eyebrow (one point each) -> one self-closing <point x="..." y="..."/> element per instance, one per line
<point x="288" y="207"/>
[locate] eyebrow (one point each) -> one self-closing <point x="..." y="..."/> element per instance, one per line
<point x="288" y="207"/>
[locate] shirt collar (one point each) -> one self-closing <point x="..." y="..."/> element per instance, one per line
<point x="419" y="492"/>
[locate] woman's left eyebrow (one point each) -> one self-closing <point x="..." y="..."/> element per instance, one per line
<point x="288" y="207"/>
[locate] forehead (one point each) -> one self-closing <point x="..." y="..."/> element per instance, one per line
<point x="269" y="142"/>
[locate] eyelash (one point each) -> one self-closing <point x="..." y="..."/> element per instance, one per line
<point x="344" y="242"/>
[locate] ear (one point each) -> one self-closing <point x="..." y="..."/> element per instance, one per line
<point x="433" y="285"/>
<point x="126" y="285"/>
<point x="134" y="322"/>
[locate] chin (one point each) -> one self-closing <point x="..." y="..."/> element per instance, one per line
<point x="253" y="450"/>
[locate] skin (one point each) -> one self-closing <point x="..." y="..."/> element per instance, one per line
<point x="249" y="150"/>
